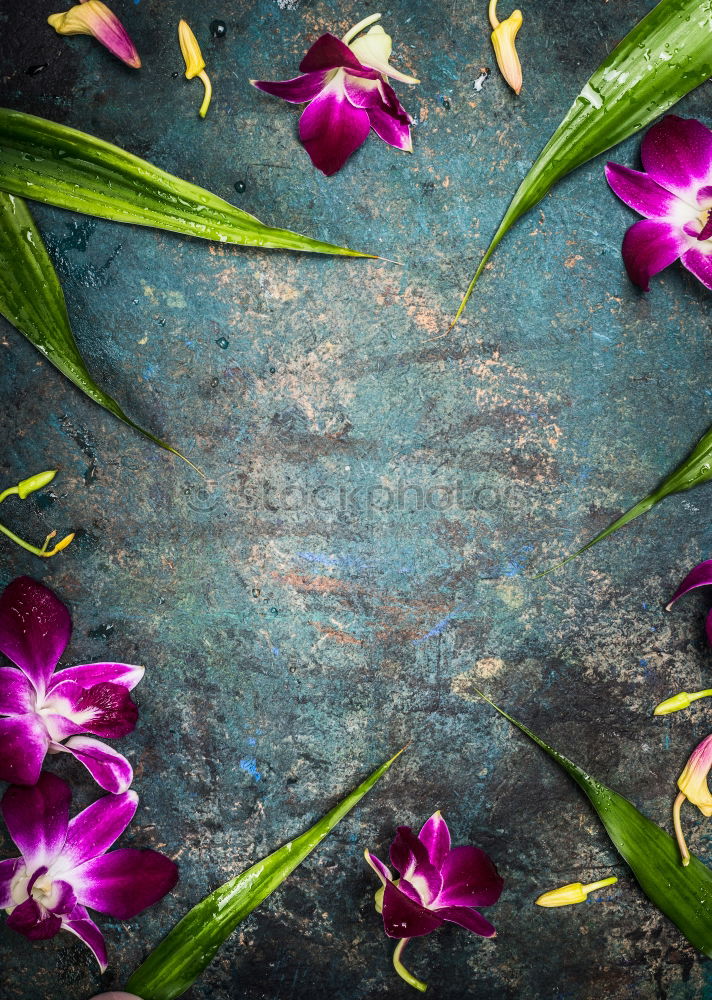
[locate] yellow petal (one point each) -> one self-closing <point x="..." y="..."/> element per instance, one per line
<point x="194" y="62"/>
<point x="505" y="50"/>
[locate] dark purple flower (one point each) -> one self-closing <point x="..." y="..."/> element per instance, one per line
<point x="675" y="196"/>
<point x="64" y="867"/>
<point x="700" y="576"/>
<point x="344" y="85"/>
<point x="43" y="711"/>
<point x="437" y="883"/>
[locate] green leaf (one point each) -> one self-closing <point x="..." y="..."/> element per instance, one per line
<point x="696" y="469"/>
<point x="180" y="958"/>
<point x="684" y="895"/>
<point x="665" y="56"/>
<point x="31" y="299"/>
<point x="60" y="166"/>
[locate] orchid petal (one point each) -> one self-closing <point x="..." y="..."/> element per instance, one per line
<point x="34" y="629"/>
<point x="16" y="692"/>
<point x="79" y="923"/>
<point x="127" y="675"/>
<point x="380" y="869"/>
<point x="8" y="870"/>
<point x="104" y="709"/>
<point x="363" y="93"/>
<point x="124" y="882"/>
<point x="329" y="52"/>
<point x="677" y="153"/>
<point x="23" y="746"/>
<point x="34" y="921"/>
<point x="649" y="246"/>
<point x="407" y="852"/>
<point x="700" y="264"/>
<point x="391" y="130"/>
<point x="470" y="919"/>
<point x="470" y="879"/>
<point x="93" y="831"/>
<point x="700" y="576"/>
<point x="403" y="917"/>
<point x="37" y="818"/>
<point x="648" y="198"/>
<point x="435" y="836"/>
<point x="331" y="129"/>
<point x="109" y="768"/>
<point x="92" y="17"/>
<point x="61" y="899"/>
<point x="297" y="91"/>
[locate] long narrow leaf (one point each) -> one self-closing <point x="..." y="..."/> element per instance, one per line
<point x="31" y="299"/>
<point x="193" y="943"/>
<point x="665" y="56"/>
<point x="696" y="469"/>
<point x="60" y="166"/>
<point x="684" y="895"/>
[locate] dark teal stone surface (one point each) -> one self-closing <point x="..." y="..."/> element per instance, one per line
<point x="379" y="496"/>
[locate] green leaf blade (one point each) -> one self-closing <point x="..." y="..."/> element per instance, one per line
<point x="189" y="948"/>
<point x="61" y="166"/>
<point x="665" y="56"/>
<point x="31" y="299"/>
<point x="684" y="895"/>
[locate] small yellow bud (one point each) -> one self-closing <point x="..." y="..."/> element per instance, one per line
<point x="678" y="701"/>
<point x="567" y="895"/>
<point x="67" y="540"/>
<point x="503" y="41"/>
<point x="194" y="63"/>
<point x="34" y="483"/>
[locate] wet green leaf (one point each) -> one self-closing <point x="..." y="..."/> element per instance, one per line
<point x="696" y="469"/>
<point x="182" y="956"/>
<point x="60" y="166"/>
<point x="31" y="299"/>
<point x="665" y="56"/>
<point x="684" y="895"/>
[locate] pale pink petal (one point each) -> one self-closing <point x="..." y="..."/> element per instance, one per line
<point x="109" y="768"/>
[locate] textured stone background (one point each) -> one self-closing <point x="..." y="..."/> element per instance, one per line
<point x="290" y="649"/>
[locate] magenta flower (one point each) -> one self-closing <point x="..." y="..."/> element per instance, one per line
<point x="48" y="712"/>
<point x="437" y="883"/>
<point x="675" y="196"/>
<point x="700" y="576"/>
<point x="344" y="85"/>
<point x="64" y="866"/>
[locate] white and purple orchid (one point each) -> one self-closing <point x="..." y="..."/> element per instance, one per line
<point x="675" y="196"/>
<point x="46" y="711"/>
<point x="344" y="83"/>
<point x="64" y="867"/>
<point x="437" y="883"/>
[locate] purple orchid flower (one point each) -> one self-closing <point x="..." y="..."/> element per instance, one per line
<point x="700" y="576"/>
<point x="46" y="711"/>
<point x="437" y="883"/>
<point x="675" y="196"/>
<point x="64" y="867"/>
<point x="344" y="84"/>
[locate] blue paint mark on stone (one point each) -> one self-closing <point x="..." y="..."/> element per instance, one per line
<point x="275" y="650"/>
<point x="251" y="741"/>
<point x="249" y="764"/>
<point x="436" y="629"/>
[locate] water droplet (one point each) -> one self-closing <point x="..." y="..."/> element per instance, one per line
<point x="256" y="591"/>
<point x="223" y="342"/>
<point x="446" y="103"/>
<point x="240" y="187"/>
<point x="162" y="321"/>
<point x="218" y="29"/>
<point x="135" y="302"/>
<point x="214" y="382"/>
<point x="273" y="371"/>
<point x="36" y="68"/>
<point x="175" y="75"/>
<point x="274" y="611"/>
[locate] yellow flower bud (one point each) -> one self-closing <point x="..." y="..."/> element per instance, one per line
<point x="567" y="895"/>
<point x="34" y="483"/>
<point x="194" y="62"/>
<point x="503" y="37"/>
<point x="678" y="701"/>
